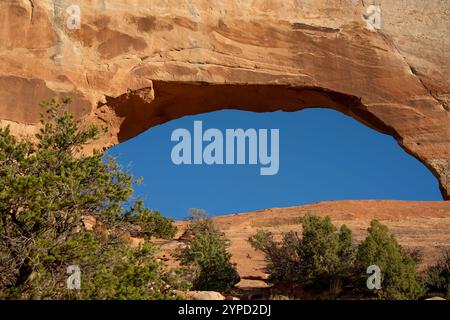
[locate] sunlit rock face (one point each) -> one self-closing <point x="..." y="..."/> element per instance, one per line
<point x="133" y="64"/>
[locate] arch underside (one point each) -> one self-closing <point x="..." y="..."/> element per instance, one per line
<point x="140" y="110"/>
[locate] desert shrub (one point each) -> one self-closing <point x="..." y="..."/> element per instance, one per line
<point x="322" y="257"/>
<point x="150" y="223"/>
<point x="325" y="257"/>
<point x="437" y="277"/>
<point x="327" y="254"/>
<point x="109" y="270"/>
<point x="200" y="223"/>
<point x="206" y="254"/>
<point x="399" y="279"/>
<point x="283" y="260"/>
<point x="46" y="186"/>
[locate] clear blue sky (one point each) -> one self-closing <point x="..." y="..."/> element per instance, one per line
<point x="324" y="155"/>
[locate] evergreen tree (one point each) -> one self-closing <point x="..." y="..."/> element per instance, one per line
<point x="399" y="279"/>
<point x="47" y="186"/>
<point x="206" y="255"/>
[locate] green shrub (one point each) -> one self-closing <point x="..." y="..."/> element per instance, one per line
<point x="150" y="223"/>
<point x="46" y="187"/>
<point x="327" y="254"/>
<point x="199" y="223"/>
<point x="437" y="277"/>
<point x="283" y="260"/>
<point x="322" y="257"/>
<point x="206" y="254"/>
<point x="399" y="279"/>
<point x="109" y="270"/>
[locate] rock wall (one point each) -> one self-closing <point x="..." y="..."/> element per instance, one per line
<point x="134" y="64"/>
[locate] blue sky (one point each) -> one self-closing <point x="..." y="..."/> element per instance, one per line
<point x="324" y="155"/>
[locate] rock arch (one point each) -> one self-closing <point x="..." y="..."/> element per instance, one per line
<point x="133" y="65"/>
<point x="165" y="101"/>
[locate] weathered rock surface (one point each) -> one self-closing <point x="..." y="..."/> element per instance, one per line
<point x="436" y="298"/>
<point x="199" y="295"/>
<point x="135" y="64"/>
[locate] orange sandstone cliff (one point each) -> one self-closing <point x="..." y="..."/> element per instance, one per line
<point x="134" y="64"/>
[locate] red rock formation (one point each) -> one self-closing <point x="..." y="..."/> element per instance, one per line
<point x="135" y="64"/>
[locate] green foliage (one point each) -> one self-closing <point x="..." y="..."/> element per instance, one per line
<point x="46" y="186"/>
<point x="150" y="223"/>
<point x="325" y="256"/>
<point x="283" y="260"/>
<point x="199" y="223"/>
<point x="322" y="257"/>
<point x="207" y="256"/>
<point x="109" y="270"/>
<point x="398" y="268"/>
<point x="437" y="277"/>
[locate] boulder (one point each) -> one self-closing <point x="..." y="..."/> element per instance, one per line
<point x="199" y="295"/>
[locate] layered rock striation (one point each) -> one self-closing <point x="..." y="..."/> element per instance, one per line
<point x="134" y="64"/>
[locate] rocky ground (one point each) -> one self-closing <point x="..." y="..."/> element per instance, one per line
<point x="419" y="225"/>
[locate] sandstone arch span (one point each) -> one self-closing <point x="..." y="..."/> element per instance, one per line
<point x="136" y="64"/>
<point x="165" y="101"/>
